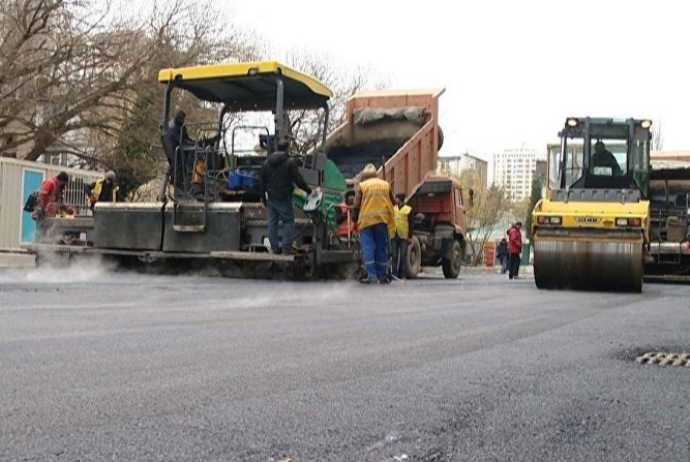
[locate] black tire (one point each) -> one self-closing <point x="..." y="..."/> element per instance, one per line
<point x="441" y="138"/>
<point x="308" y="271"/>
<point x="414" y="258"/>
<point x="451" y="267"/>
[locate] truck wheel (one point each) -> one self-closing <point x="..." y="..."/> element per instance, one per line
<point x="414" y="258"/>
<point x="451" y="268"/>
<point x="441" y="138"/>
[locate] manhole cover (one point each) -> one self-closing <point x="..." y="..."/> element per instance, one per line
<point x="665" y="359"/>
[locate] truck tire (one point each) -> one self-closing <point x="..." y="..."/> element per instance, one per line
<point x="441" y="138"/>
<point x="451" y="267"/>
<point x="414" y="258"/>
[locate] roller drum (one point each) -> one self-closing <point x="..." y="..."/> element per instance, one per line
<point x="588" y="264"/>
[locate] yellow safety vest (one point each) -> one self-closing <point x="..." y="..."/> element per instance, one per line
<point x="96" y="192"/>
<point x="376" y="206"/>
<point x="402" y="223"/>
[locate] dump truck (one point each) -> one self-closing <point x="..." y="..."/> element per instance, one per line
<point x="398" y="132"/>
<point x="591" y="230"/>
<point x="209" y="211"/>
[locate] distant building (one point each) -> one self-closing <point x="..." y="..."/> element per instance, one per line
<point x="455" y="165"/>
<point x="540" y="171"/>
<point x="514" y="170"/>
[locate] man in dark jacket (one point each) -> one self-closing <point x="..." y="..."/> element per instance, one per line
<point x="502" y="254"/>
<point x="177" y="130"/>
<point x="279" y="176"/>
<point x="602" y="157"/>
<point x="178" y="137"/>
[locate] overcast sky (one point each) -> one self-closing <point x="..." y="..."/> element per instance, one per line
<point x="513" y="70"/>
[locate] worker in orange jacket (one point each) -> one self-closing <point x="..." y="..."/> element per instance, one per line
<point x="347" y="226"/>
<point x="51" y="201"/>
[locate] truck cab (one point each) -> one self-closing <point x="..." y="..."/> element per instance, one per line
<point x="439" y="206"/>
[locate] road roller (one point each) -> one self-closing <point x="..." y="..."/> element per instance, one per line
<point x="590" y="230"/>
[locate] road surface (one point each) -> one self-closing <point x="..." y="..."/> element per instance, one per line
<point x="99" y="366"/>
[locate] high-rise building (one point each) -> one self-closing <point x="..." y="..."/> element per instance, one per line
<point x="514" y="170"/>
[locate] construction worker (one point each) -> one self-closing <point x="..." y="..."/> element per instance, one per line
<point x="177" y="131"/>
<point x="602" y="157"/>
<point x="51" y="201"/>
<point x="403" y="235"/>
<point x="279" y="175"/>
<point x="344" y="219"/>
<point x="103" y="190"/>
<point x="375" y="217"/>
<point x="180" y="162"/>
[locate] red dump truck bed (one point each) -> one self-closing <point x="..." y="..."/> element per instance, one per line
<point x="398" y="126"/>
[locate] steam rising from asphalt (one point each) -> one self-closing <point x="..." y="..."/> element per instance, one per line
<point x="54" y="270"/>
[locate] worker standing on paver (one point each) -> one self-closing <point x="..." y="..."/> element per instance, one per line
<point x="375" y="217"/>
<point x="514" y="249"/>
<point x="279" y="175"/>
<point x="103" y="190"/>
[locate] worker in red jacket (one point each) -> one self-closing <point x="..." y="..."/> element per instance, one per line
<point x="51" y="201"/>
<point x="347" y="227"/>
<point x="514" y="249"/>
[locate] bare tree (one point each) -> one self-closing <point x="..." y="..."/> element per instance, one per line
<point x="73" y="66"/>
<point x="77" y="77"/>
<point x="490" y="205"/>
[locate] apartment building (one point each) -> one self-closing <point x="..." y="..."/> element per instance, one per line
<point x="514" y="170"/>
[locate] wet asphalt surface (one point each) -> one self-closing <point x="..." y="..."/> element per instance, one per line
<point x="97" y="366"/>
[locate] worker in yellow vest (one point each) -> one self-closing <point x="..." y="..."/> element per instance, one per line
<point x="403" y="235"/>
<point x="103" y="190"/>
<point x="375" y="217"/>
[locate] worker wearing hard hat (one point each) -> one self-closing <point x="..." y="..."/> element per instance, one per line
<point x="375" y="217"/>
<point x="103" y="190"/>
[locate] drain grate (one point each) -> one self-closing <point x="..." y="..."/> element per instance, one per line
<point x="665" y="359"/>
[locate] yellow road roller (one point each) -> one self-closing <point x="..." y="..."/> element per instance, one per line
<point x="590" y="230"/>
